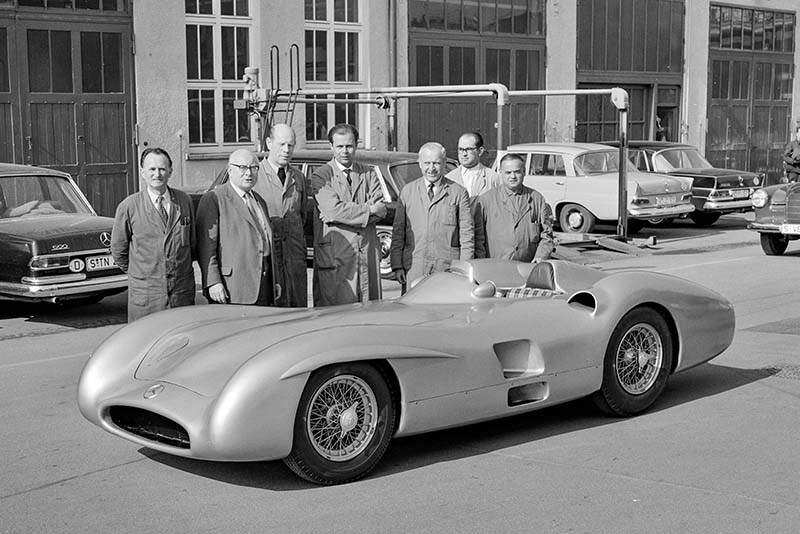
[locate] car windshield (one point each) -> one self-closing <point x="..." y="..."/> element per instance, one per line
<point x="679" y="158"/>
<point x="599" y="163"/>
<point x="28" y="196"/>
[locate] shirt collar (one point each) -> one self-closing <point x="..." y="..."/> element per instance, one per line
<point x="340" y="166"/>
<point x="274" y="167"/>
<point x="154" y="195"/>
<point x="511" y="192"/>
<point x="436" y="184"/>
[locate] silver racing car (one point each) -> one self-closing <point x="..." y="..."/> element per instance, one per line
<point x="327" y="389"/>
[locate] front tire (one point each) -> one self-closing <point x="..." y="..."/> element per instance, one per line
<point x="575" y="219"/>
<point x="343" y="425"/>
<point x="637" y="363"/>
<point x="774" y="244"/>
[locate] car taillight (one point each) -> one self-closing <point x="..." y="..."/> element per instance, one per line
<point x="41" y="263"/>
<point x="640" y="201"/>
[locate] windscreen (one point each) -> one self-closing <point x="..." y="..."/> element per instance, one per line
<point x="28" y="196"/>
<point x="679" y="158"/>
<point x="602" y="162"/>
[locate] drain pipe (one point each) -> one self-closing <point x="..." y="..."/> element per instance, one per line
<point x="392" y="137"/>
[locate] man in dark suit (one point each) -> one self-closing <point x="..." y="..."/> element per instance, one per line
<point x="234" y="238"/>
<point x="153" y="240"/>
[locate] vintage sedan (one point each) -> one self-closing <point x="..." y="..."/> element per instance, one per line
<point x="53" y="246"/>
<point x="327" y="389"/>
<point x="580" y="182"/>
<point x="777" y="217"/>
<point x="714" y="191"/>
<point x="394" y="171"/>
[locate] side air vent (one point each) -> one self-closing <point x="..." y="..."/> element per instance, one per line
<point x="528" y="393"/>
<point x="583" y="300"/>
<point x="518" y="359"/>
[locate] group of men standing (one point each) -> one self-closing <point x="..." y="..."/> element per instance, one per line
<point x="247" y="234"/>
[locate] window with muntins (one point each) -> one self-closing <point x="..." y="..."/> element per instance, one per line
<point x="334" y="32"/>
<point x="219" y="36"/>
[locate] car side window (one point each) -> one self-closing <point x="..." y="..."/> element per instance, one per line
<point x="639" y="160"/>
<point x="548" y="165"/>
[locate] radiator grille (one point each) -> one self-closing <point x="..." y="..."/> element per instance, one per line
<point x="149" y="425"/>
<point x="793" y="205"/>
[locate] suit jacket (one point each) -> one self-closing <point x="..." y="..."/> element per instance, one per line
<point x="287" y="204"/>
<point x="503" y="231"/>
<point x="230" y="248"/>
<point x="157" y="257"/>
<point x="484" y="181"/>
<point x="428" y="234"/>
<point x="346" y="247"/>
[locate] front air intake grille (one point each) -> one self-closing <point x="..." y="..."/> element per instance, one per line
<point x="793" y="205"/>
<point x="149" y="425"/>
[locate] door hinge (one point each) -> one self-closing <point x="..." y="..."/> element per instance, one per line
<point x="136" y="134"/>
<point x="133" y="45"/>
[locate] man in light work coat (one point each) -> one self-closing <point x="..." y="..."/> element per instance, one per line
<point x="512" y="221"/>
<point x="153" y="240"/>
<point x="432" y="223"/>
<point x="473" y="175"/>
<point x="234" y="238"/>
<point x="349" y="201"/>
<point x="284" y="189"/>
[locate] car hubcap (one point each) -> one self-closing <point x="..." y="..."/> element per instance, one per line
<point x="575" y="219"/>
<point x="639" y="358"/>
<point x="342" y="418"/>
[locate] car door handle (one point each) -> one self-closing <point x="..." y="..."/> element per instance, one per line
<point x="559" y="183"/>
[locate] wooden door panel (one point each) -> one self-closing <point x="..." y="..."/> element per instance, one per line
<point x="6" y="139"/>
<point x="104" y="189"/>
<point x="104" y="132"/>
<point x="52" y="134"/>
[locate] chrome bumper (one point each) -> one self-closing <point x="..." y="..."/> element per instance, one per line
<point x="726" y="205"/>
<point x="63" y="289"/>
<point x="668" y="211"/>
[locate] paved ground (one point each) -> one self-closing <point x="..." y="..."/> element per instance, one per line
<point x="716" y="454"/>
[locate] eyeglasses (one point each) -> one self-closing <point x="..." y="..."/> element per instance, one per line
<point x="244" y="168"/>
<point x="467" y="149"/>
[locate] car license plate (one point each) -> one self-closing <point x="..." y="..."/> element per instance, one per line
<point x="790" y="228"/>
<point x="741" y="193"/>
<point x="98" y="263"/>
<point x="666" y="200"/>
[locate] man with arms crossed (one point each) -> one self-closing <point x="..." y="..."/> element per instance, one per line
<point x="234" y="238"/>
<point x="349" y="201"/>
<point x="432" y="224"/>
<point x="153" y="240"/>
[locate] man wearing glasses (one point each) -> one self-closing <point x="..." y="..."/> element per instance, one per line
<point x="473" y="175"/>
<point x="234" y="238"/>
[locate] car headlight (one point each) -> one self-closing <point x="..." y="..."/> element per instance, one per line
<point x="760" y="198"/>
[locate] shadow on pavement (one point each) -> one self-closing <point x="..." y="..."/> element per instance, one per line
<point x="416" y="452"/>
<point x="111" y="310"/>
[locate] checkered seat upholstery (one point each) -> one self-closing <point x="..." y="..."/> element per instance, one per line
<point x="528" y="292"/>
<point x="540" y="283"/>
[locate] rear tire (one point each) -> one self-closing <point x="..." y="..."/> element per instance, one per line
<point x="637" y="363"/>
<point x="704" y="218"/>
<point x="774" y="244"/>
<point x="343" y="426"/>
<point x="575" y="219"/>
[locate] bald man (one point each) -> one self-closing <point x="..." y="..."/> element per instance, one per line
<point x="234" y="238"/>
<point x="432" y="224"/>
<point x="284" y="189"/>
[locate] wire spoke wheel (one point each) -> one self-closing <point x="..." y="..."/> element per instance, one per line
<point x="639" y="358"/>
<point x="342" y="418"/>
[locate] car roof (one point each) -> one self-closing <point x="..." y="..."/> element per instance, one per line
<point x="657" y="145"/>
<point x="561" y="148"/>
<point x="12" y="169"/>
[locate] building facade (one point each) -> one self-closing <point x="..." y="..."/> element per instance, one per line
<point x="86" y="85"/>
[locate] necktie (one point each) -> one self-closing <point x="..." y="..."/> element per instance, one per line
<point x="162" y="212"/>
<point x="254" y="213"/>
<point x="282" y="175"/>
<point x="430" y="190"/>
<point x="347" y="175"/>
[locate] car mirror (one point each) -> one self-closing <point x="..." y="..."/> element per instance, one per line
<point x="485" y="290"/>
